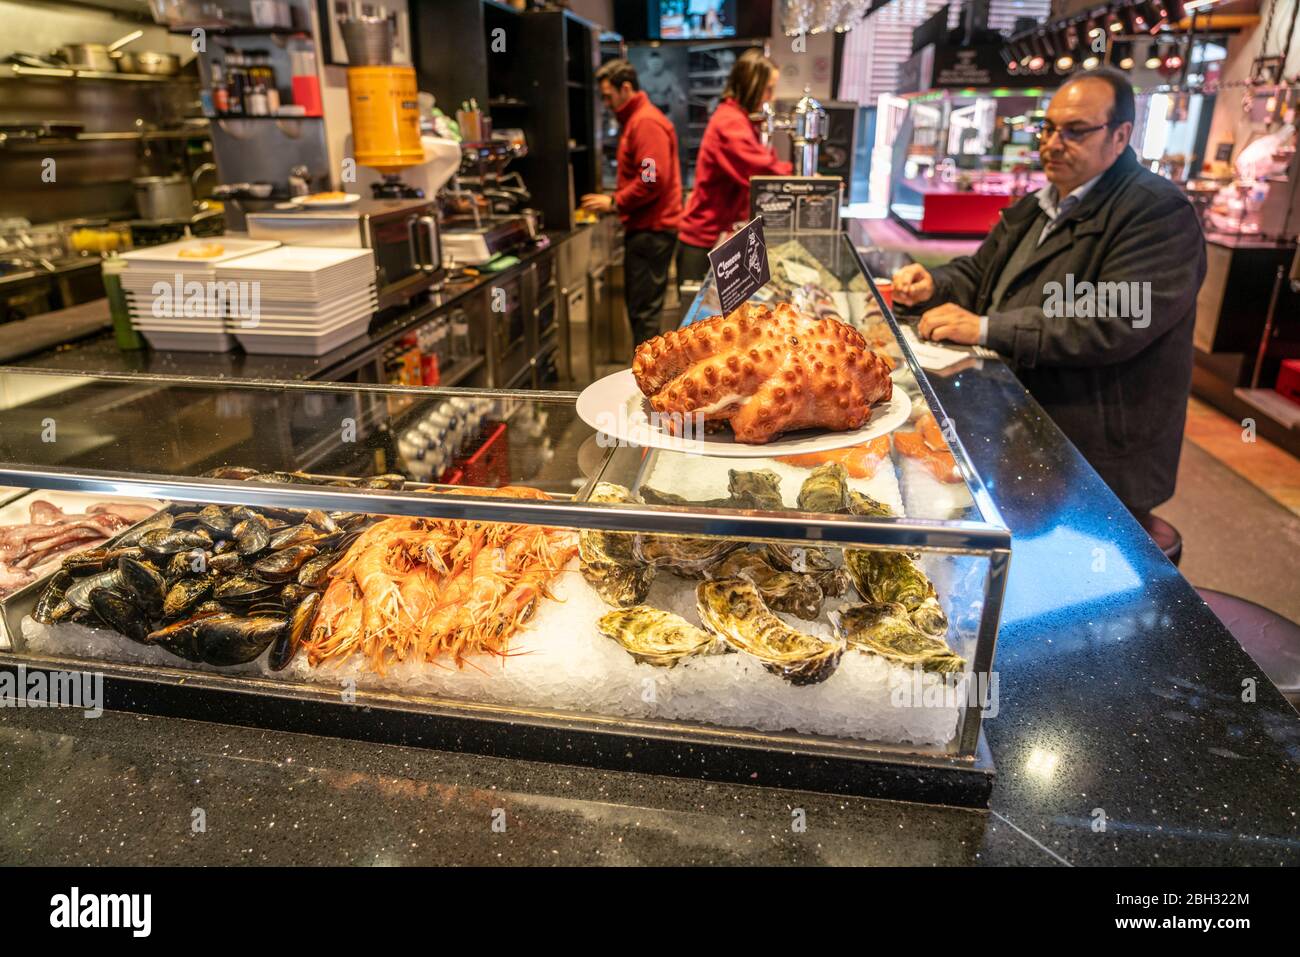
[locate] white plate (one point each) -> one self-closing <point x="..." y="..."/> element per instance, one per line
<point x="310" y="203"/>
<point x="156" y="257"/>
<point x="615" y="406"/>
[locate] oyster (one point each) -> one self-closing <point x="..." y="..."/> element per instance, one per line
<point x="887" y="577"/>
<point x="885" y="629"/>
<point x="830" y="577"/>
<point x="655" y="637"/>
<point x="929" y="617"/>
<point x="758" y="489"/>
<point x="826" y="489"/>
<point x="607" y="559"/>
<point x="733" y="609"/>
<point x="682" y="555"/>
<point x="798" y="594"/>
<point x="860" y="504"/>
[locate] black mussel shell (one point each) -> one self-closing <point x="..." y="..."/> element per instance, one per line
<point x="64" y="610"/>
<point x="292" y="593"/>
<point x="214" y="519"/>
<point x="51" y="597"/>
<point x="133" y="535"/>
<point x="234" y="640"/>
<point x="243" y="587"/>
<point x="283" y="565"/>
<point x="78" y="593"/>
<point x="242" y="513"/>
<point x="179" y="638"/>
<point x="186" y="594"/>
<point x="287" y="645"/>
<point x="168" y="541"/>
<point x="226" y="563"/>
<point x="120" y="613"/>
<point x="142" y="582"/>
<point x="88" y="562"/>
<point x="251" y="537"/>
<point x="294" y="535"/>
<point x="321" y="521"/>
<point x="223" y="546"/>
<point x="315" y="573"/>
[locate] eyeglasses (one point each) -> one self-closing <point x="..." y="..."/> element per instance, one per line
<point x="1069" y="134"/>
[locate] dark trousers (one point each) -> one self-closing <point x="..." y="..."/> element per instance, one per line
<point x="647" y="255"/>
<point x="692" y="263"/>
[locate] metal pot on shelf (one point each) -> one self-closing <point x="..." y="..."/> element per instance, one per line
<point x="164" y="197"/>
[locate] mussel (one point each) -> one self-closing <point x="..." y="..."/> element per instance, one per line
<point x="132" y="536"/>
<point x="120" y="613"/>
<point x="186" y="594"/>
<point x="283" y="565"/>
<point x="300" y="623"/>
<point x="169" y="541"/>
<point x="50" y="598"/>
<point x="143" y="583"/>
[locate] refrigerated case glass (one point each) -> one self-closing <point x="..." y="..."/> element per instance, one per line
<point x="554" y="599"/>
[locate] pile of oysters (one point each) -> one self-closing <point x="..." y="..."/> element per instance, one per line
<point x="742" y="586"/>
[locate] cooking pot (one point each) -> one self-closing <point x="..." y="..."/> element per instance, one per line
<point x="164" y="197"/>
<point x="87" y="56"/>
<point x="156" y="64"/>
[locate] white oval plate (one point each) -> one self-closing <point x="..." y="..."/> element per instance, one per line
<point x="311" y="203"/>
<point x="615" y="407"/>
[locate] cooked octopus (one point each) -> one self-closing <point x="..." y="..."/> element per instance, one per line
<point x="764" y="372"/>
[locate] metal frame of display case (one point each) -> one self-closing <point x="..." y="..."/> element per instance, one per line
<point x="962" y="776"/>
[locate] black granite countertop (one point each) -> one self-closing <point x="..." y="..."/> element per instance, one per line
<point x="1120" y="700"/>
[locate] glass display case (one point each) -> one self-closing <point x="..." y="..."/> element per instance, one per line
<point x="823" y="622"/>
<point x="961" y="157"/>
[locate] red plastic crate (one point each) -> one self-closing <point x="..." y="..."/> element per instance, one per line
<point x="1288" y="380"/>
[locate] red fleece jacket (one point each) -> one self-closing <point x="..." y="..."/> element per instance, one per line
<point x="730" y="153"/>
<point x="649" y="194"/>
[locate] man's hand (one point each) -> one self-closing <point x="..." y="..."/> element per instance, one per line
<point x="912" y="284"/>
<point x="950" y="322"/>
<point x="598" y="202"/>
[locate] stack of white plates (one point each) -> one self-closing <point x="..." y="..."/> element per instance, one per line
<point x="312" y="298"/>
<point x="164" y="311"/>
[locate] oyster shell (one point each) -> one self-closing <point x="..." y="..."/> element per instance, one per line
<point x="733" y="609"/>
<point x="681" y="554"/>
<point x="818" y="562"/>
<point x="760" y="488"/>
<point x="888" y="577"/>
<point x="826" y="489"/>
<point x="655" y="637"/>
<point x="885" y="629"/>
<point x="798" y="594"/>
<point x="608" y="562"/>
<point x="929" y="617"/>
<point x="860" y="504"/>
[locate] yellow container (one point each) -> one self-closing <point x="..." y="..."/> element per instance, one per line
<point x="385" y="117"/>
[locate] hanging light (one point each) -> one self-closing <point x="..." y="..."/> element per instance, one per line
<point x="1174" y="61"/>
<point x="1122" y="55"/>
<point x="1113" y="23"/>
<point x="1064" y="63"/>
<point x="1095" y="28"/>
<point x="1154" y="59"/>
<point x="1091" y="61"/>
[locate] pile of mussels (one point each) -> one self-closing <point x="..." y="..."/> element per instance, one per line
<point x="218" y="585"/>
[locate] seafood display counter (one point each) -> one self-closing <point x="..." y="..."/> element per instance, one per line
<point x="820" y="621"/>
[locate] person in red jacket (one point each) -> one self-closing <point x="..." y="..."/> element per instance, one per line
<point x="730" y="153"/>
<point x="648" y="197"/>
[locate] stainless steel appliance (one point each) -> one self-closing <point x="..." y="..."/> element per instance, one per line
<point x="473" y="246"/>
<point x="403" y="233"/>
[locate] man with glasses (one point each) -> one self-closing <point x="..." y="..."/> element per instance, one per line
<point x="1088" y="288"/>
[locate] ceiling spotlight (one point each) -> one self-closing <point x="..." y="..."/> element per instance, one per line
<point x="1094" y="29"/>
<point x="1114" y="24"/>
<point x="1122" y="55"/>
<point x="1153" y="59"/>
<point x="1173" y="61"/>
<point x="1064" y="63"/>
<point x="1091" y="61"/>
<point x="1037" y="63"/>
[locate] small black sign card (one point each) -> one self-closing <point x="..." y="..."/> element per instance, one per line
<point x="740" y="266"/>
